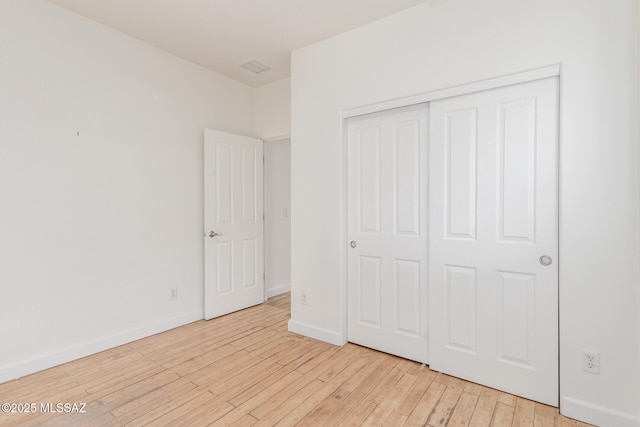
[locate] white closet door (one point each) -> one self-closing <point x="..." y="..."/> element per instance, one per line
<point x="387" y="228"/>
<point x="493" y="299"/>
<point x="233" y="221"/>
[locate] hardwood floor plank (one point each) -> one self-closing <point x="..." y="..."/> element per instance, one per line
<point x="312" y="375"/>
<point x="273" y="381"/>
<point x="381" y="366"/>
<point x="205" y="345"/>
<point x="464" y="410"/>
<point x="354" y="371"/>
<point x="255" y="400"/>
<point x="247" y="369"/>
<point x="101" y="403"/>
<point x="127" y="376"/>
<point x="426" y="405"/>
<point x="473" y="388"/>
<point x="137" y="407"/>
<point x="245" y="421"/>
<point x="424" y="380"/>
<point x="503" y="415"/>
<point x="258" y="336"/>
<point x="105" y="420"/>
<point x="507" y="399"/>
<point x="524" y="413"/>
<point x="172" y="404"/>
<point x="276" y="408"/>
<point x="226" y="367"/>
<point x="443" y="379"/>
<point x="326" y="353"/>
<point x="282" y="301"/>
<point x="321" y="412"/>
<point x="360" y="385"/>
<point x="197" y="362"/>
<point x="111" y="361"/>
<point x="182" y="414"/>
<point x="276" y="347"/>
<point x="562" y="421"/>
<point x="391" y="400"/>
<point x="23" y="385"/>
<point x="483" y="412"/>
<point x="396" y="419"/>
<point x="544" y="415"/>
<point x="444" y="409"/>
<point x="298" y="413"/>
<point x="386" y="386"/>
<point x="359" y="414"/>
<point x="302" y="349"/>
<point x="340" y="361"/>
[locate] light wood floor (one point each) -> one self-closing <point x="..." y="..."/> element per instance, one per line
<point x="246" y="369"/>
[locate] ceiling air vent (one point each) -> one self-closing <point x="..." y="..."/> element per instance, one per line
<point x="255" y="66"/>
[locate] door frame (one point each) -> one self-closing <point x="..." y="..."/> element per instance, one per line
<point x="553" y="70"/>
<point x="266" y="205"/>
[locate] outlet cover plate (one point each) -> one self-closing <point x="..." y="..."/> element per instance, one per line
<point x="591" y="361"/>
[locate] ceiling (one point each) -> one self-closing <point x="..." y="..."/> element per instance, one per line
<point x="222" y="34"/>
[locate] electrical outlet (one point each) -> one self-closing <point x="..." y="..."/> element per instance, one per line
<point x="174" y="294"/>
<point x="591" y="362"/>
<point x="303" y="299"/>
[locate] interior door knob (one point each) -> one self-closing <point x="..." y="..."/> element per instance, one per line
<point x="353" y="244"/>
<point x="213" y="234"/>
<point x="545" y="260"/>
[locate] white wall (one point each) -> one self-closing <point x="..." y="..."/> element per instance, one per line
<point x="96" y="229"/>
<point x="273" y="110"/>
<point x="446" y="43"/>
<point x="277" y="182"/>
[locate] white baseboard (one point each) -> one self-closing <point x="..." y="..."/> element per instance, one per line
<point x="596" y="414"/>
<point x="314" y="332"/>
<point x="46" y="361"/>
<point x="272" y="292"/>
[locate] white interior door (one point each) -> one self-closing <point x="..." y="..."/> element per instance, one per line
<point x="233" y="223"/>
<point x="493" y="299"/>
<point x="387" y="228"/>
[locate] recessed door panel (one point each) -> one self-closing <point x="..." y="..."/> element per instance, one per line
<point x="460" y="175"/>
<point x="516" y="322"/>
<point x="370" y="310"/>
<point x="517" y="127"/>
<point x="407" y="172"/>
<point x="224" y="183"/>
<point x="407" y="297"/>
<point x="249" y="264"/>
<point x="461" y="308"/>
<point x="224" y="267"/>
<point x="369" y="179"/>
<point x="249" y="193"/>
